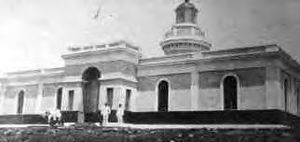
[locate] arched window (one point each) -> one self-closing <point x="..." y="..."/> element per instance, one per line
<point x="163" y="96"/>
<point x="59" y="98"/>
<point x="20" y="102"/>
<point x="230" y="92"/>
<point x="285" y="91"/>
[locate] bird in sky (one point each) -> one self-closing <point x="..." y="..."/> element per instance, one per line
<point x="97" y="14"/>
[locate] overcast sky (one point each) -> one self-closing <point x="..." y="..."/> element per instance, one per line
<point x="35" y="33"/>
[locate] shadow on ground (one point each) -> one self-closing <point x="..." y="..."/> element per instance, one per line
<point x="92" y="133"/>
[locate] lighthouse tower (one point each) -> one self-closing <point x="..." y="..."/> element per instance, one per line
<point x="185" y="35"/>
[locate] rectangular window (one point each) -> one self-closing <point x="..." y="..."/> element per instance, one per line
<point x="110" y="96"/>
<point x="127" y="100"/>
<point x="71" y="99"/>
<point x="20" y="102"/>
<point x="59" y="98"/>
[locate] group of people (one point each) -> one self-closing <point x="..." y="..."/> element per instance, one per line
<point x="106" y="111"/>
<point x="54" y="117"/>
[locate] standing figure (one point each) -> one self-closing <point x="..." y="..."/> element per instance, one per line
<point x="105" y="114"/>
<point x="120" y="113"/>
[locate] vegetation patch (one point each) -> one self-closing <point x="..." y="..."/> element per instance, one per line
<point x="93" y="133"/>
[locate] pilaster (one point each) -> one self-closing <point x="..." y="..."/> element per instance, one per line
<point x="64" y="102"/>
<point x="39" y="97"/>
<point x="102" y="96"/>
<point x="78" y="102"/>
<point x="194" y="90"/>
<point x="133" y="99"/>
<point x="118" y="95"/>
<point x="122" y="96"/>
<point x="274" y="95"/>
<point x="293" y="97"/>
<point x="2" y="93"/>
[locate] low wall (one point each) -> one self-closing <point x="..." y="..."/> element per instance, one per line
<point x="213" y="117"/>
<point x="182" y="117"/>
<point x="67" y="116"/>
<point x="97" y="117"/>
<point x="22" y="119"/>
<point x="70" y="116"/>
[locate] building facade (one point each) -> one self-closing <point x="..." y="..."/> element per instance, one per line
<point x="189" y="77"/>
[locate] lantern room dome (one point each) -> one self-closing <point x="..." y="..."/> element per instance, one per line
<point x="185" y="35"/>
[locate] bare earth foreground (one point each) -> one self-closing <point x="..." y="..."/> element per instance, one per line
<point x="93" y="133"/>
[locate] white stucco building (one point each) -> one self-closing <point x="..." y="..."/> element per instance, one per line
<point x="189" y="77"/>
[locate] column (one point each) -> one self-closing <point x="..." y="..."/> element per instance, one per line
<point x="194" y="90"/>
<point x="274" y="97"/>
<point x="39" y="97"/>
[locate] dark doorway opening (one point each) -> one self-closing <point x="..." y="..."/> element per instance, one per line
<point x="59" y="98"/>
<point x="110" y="96"/>
<point x="298" y="99"/>
<point x="20" y="102"/>
<point x="127" y="99"/>
<point x="230" y="93"/>
<point x="285" y="88"/>
<point x="90" y="89"/>
<point x="71" y="100"/>
<point x="163" y="96"/>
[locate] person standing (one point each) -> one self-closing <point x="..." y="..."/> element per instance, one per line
<point x="120" y="113"/>
<point x="105" y="114"/>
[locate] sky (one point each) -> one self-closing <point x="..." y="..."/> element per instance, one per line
<point x="35" y="33"/>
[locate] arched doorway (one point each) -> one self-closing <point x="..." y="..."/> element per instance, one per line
<point x="90" y="89"/>
<point x="20" y="102"/>
<point x="163" y="96"/>
<point x="58" y="98"/>
<point x="230" y="88"/>
<point x="285" y="89"/>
